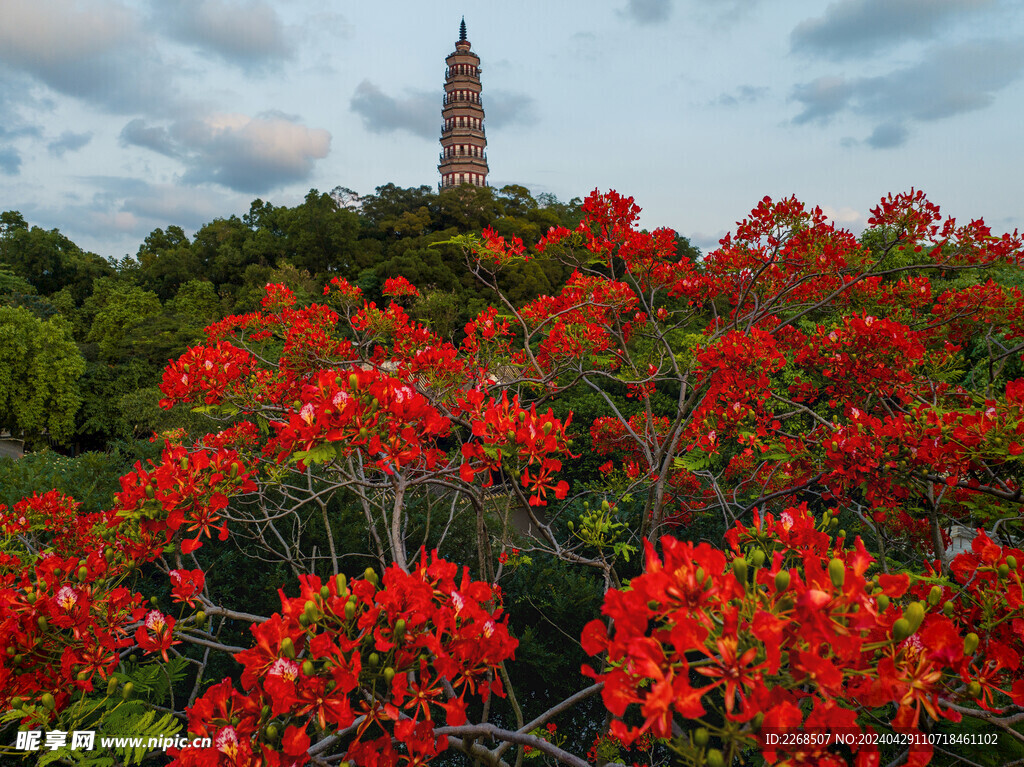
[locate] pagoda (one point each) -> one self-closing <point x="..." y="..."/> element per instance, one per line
<point x="463" y="143"/>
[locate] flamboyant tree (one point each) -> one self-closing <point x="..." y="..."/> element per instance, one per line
<point x="794" y="381"/>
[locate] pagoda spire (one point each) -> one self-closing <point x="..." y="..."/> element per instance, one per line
<point x="463" y="157"/>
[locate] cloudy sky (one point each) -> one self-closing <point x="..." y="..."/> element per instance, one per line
<point x="120" y="117"/>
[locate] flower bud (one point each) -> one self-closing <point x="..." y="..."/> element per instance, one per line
<point x="48" y="701"/>
<point x="353" y="381"/>
<point x="837" y="572"/>
<point x="1004" y="570"/>
<point x="757" y="558"/>
<point x="1011" y="562"/>
<point x="341" y="582"/>
<point x="782" y="580"/>
<point x="974" y="689"/>
<point x="901" y="629"/>
<point x="127" y="690"/>
<point x="739" y="569"/>
<point x="971" y="643"/>
<point x="947" y="609"/>
<point x="700" y="737"/>
<point x="272" y="732"/>
<point x="399" y="628"/>
<point x="883" y="603"/>
<point x="112" y="685"/>
<point x="307" y="667"/>
<point x="389" y="674"/>
<point x="370" y="575"/>
<point x="373" y="660"/>
<point x="325" y="592"/>
<point x="914" y="615"/>
<point x="714" y="758"/>
<point x="935" y="595"/>
<point x="350" y="610"/>
<point x="17" y="703"/>
<point x="288" y="647"/>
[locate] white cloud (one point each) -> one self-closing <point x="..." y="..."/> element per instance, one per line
<point x="95" y="51"/>
<point x="247" y="154"/>
<point x="249" y="34"/>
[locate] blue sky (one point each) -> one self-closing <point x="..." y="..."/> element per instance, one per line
<point x="120" y="117"/>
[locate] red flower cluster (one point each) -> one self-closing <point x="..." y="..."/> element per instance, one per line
<point x="789" y="630"/>
<point x="513" y="438"/>
<point x="403" y="643"/>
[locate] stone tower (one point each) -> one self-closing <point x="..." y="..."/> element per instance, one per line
<point x="463" y="143"/>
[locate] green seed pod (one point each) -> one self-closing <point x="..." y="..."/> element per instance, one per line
<point x="700" y="737"/>
<point x="127" y="690"/>
<point x="837" y="572"/>
<point x="974" y="689"/>
<point x="389" y="674"/>
<point x="782" y="578"/>
<point x="901" y="629"/>
<point x="714" y="758"/>
<point x="288" y="647"/>
<point x="883" y="603"/>
<point x="757" y="558"/>
<point x="739" y="569"/>
<point x="308" y="668"/>
<point x="971" y="643"/>
<point x="935" y="595"/>
<point x="914" y="615"/>
<point x="47" y="701"/>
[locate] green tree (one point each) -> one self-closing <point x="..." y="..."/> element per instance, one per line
<point x="40" y="367"/>
<point x="119" y="307"/>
